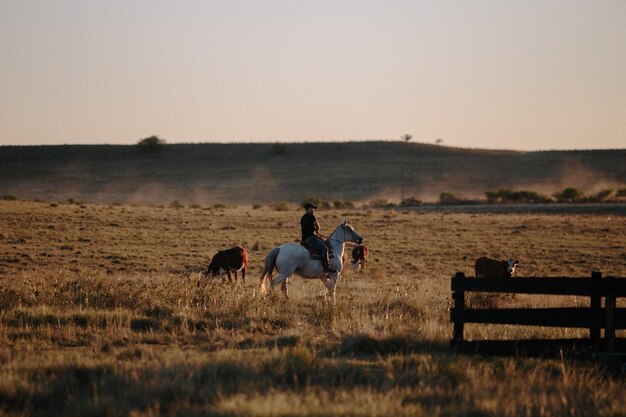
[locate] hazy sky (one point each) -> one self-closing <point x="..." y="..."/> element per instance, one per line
<point x="516" y="74"/>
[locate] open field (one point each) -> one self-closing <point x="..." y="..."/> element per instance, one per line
<point x="103" y="312"/>
<point x="361" y="172"/>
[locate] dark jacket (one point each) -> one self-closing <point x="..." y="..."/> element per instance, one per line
<point x="309" y="225"/>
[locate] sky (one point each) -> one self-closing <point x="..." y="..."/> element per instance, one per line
<point x="501" y="74"/>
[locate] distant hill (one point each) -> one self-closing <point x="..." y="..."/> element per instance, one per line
<point x="269" y="173"/>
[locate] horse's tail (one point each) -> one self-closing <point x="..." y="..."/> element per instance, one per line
<point x="270" y="264"/>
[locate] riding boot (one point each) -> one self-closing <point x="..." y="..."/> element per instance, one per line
<point x="327" y="267"/>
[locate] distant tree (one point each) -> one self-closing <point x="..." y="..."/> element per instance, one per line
<point x="381" y="202"/>
<point x="569" y="195"/>
<point x="410" y="202"/>
<point x="406" y="137"/>
<point x="152" y="143"/>
<point x="280" y="207"/>
<point x="176" y="205"/>
<point x="439" y="141"/>
<point x="621" y="193"/>
<point x="318" y="201"/>
<point x="448" y="198"/>
<point x="343" y="204"/>
<point x="603" y="195"/>
<point x="504" y="196"/>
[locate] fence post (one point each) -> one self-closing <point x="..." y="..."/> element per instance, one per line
<point x="596" y="307"/>
<point x="459" y="306"/>
<point x="609" y="330"/>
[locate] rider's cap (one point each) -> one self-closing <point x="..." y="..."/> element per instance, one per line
<point x="310" y="205"/>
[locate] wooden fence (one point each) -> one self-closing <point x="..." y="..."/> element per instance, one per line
<point x="595" y="317"/>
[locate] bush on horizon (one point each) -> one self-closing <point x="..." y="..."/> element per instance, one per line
<point x="318" y="201"/>
<point x="410" y="201"/>
<point x="569" y="195"/>
<point x="381" y="202"/>
<point x="446" y="197"/>
<point x="343" y="204"/>
<point x="152" y="143"/>
<point x="506" y="196"/>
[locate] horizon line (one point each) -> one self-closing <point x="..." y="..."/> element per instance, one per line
<point x="320" y="142"/>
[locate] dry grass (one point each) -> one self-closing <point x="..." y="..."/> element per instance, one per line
<point x="103" y="312"/>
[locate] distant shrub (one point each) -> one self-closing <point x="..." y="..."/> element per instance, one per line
<point x="342" y="204"/>
<point x="280" y="207"/>
<point x="621" y="193"/>
<point x="381" y="202"/>
<point x="569" y="195"/>
<point x="8" y="197"/>
<point x="257" y="206"/>
<point x="410" y="201"/>
<point x="195" y="206"/>
<point x="318" y="201"/>
<point x="219" y="206"/>
<point x="449" y="198"/>
<point x="151" y="143"/>
<point x="176" y="205"/>
<point x="505" y="196"/>
<point x="603" y="195"/>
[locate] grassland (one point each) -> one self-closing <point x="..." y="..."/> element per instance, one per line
<point x="103" y="311"/>
<point x="207" y="174"/>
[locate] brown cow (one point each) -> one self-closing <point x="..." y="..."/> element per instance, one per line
<point x="230" y="260"/>
<point x="491" y="268"/>
<point x="359" y="256"/>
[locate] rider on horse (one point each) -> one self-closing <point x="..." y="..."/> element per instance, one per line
<point x="310" y="235"/>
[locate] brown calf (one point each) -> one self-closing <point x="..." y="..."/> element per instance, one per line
<point x="491" y="268"/>
<point x="359" y="256"/>
<point x="230" y="260"/>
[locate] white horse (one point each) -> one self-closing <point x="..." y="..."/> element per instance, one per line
<point x="290" y="258"/>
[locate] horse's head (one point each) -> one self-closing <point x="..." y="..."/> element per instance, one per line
<point x="350" y="235"/>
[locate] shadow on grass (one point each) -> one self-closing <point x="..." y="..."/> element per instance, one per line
<point x="189" y="388"/>
<point x="360" y="345"/>
<point x="35" y="320"/>
<point x="577" y="349"/>
<point x="280" y="342"/>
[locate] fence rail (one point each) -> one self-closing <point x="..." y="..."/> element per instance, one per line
<point x="595" y="317"/>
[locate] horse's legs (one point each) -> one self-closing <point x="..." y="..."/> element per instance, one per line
<point x="283" y="288"/>
<point x="230" y="279"/>
<point x="279" y="279"/>
<point x="264" y="279"/>
<point x="332" y="282"/>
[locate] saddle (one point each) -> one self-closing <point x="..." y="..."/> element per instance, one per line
<point x="314" y="253"/>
